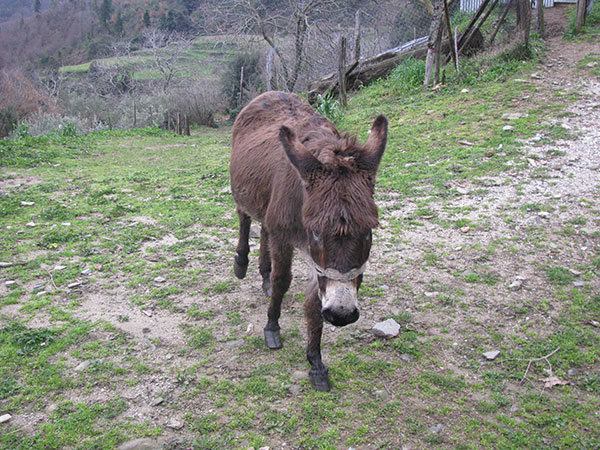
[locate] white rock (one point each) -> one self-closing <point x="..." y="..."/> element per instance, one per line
<point x="30" y="224"/>
<point x="388" y="328"/>
<point x="5" y="418"/>
<point x="23" y="203"/>
<point x="160" y="279"/>
<point x="508" y="128"/>
<point x="516" y="285"/>
<point x="491" y="355"/>
<point x="10" y="283"/>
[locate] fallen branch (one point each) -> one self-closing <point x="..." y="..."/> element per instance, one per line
<point x="4" y="265"/>
<point x="531" y="361"/>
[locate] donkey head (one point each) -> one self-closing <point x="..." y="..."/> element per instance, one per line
<point x="338" y="212"/>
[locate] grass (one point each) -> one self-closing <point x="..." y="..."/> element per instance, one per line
<point x="81" y="367"/>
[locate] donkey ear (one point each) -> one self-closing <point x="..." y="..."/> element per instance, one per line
<point x="375" y="144"/>
<point x="301" y="159"/>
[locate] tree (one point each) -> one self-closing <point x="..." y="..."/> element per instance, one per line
<point x="146" y="19"/>
<point x="105" y="12"/>
<point x="166" y="50"/>
<point x="275" y="23"/>
<point x="37" y="6"/>
<point x="119" y="24"/>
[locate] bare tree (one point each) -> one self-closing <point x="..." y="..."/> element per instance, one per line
<point x="166" y="50"/>
<point x="285" y="28"/>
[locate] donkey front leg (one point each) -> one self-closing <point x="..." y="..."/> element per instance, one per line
<point x="281" y="277"/>
<point x="319" y="375"/>
<point x="264" y="262"/>
<point x="240" y="261"/>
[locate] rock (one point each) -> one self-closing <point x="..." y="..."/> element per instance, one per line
<point x="462" y="191"/>
<point x="508" y="128"/>
<point x="57" y="268"/>
<point x="74" y="284"/>
<point x="82" y="366"/>
<point x="431" y="294"/>
<point x="544" y="214"/>
<point x="157" y="401"/>
<point x="235" y="344"/>
<point x="10" y="283"/>
<point x="299" y="375"/>
<point x="490" y="153"/>
<point x="141" y="444"/>
<point x="30" y="224"/>
<point x="254" y="232"/>
<point x="265" y="448"/>
<point x="407" y="358"/>
<point x="250" y="328"/>
<point x="5" y="418"/>
<point x="147" y="313"/>
<point x="575" y="272"/>
<point x="516" y="285"/>
<point x="388" y="329"/>
<point x="39" y="287"/>
<point x="175" y="424"/>
<point x="23" y="203"/>
<point x="590" y="65"/>
<point x="491" y="355"/>
<point x="464" y="91"/>
<point x="438" y="428"/>
<point x="160" y="280"/>
<point x="465" y="229"/>
<point x="66" y="224"/>
<point x="86" y="272"/>
<point x="578" y="284"/>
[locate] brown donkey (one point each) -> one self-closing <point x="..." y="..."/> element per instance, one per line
<point x="312" y="189"/>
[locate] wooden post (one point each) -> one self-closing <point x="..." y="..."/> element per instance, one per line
<point x="451" y="44"/>
<point x="241" y="86"/>
<point x="524" y="8"/>
<point x="178" y="131"/>
<point x="357" y="36"/>
<point x="134" y="114"/>
<point x="342" y="72"/>
<point x="187" y="125"/>
<point x="580" y="16"/>
<point x="501" y="21"/>
<point x="541" y="27"/>
<point x="435" y="31"/>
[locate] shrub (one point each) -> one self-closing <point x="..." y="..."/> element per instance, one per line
<point x="252" y="83"/>
<point x="329" y="107"/>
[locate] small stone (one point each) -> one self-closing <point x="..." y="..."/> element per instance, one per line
<point x="254" y="232"/>
<point x="388" y="329"/>
<point x="544" y="214"/>
<point x="147" y="313"/>
<point x="431" y="294"/>
<point x="516" y="285"/>
<point x="141" y="444"/>
<point x="235" y="344"/>
<point x="157" y="401"/>
<point x="5" y="418"/>
<point x="82" y="366"/>
<point x="250" y="328"/>
<point x="39" y="287"/>
<point x="464" y="91"/>
<point x="465" y="229"/>
<point x="508" y="128"/>
<point x="575" y="272"/>
<point x="491" y="355"/>
<point x="57" y="268"/>
<point x="74" y="284"/>
<point x="30" y="224"/>
<point x="462" y="191"/>
<point x="592" y="64"/>
<point x="299" y="375"/>
<point x="578" y="283"/>
<point x="490" y="153"/>
<point x="66" y="224"/>
<point x="86" y="272"/>
<point x="438" y="428"/>
<point x="175" y="424"/>
<point x="160" y="280"/>
<point x="10" y="283"/>
<point x="407" y="358"/>
<point x="23" y="203"/>
<point x="265" y="448"/>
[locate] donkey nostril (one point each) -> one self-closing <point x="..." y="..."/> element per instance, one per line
<point x="327" y="315"/>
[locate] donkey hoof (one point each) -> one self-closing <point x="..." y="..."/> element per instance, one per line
<point x="266" y="287"/>
<point x="320" y="380"/>
<point x="273" y="339"/>
<point x="239" y="269"/>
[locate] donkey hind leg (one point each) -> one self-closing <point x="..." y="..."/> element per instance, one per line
<point x="281" y="277"/>
<point x="264" y="264"/>
<point x="240" y="261"/>
<point x="319" y="376"/>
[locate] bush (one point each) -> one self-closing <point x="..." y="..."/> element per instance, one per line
<point x="252" y="84"/>
<point x="52" y="124"/>
<point x="329" y="107"/>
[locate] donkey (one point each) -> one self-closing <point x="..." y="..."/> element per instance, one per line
<point x="311" y="189"/>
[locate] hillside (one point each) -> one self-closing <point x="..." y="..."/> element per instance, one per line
<point x="123" y="326"/>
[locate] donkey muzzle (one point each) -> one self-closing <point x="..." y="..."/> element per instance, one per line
<point x="340" y="303"/>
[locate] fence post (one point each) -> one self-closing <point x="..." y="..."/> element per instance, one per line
<point x="241" y="86"/>
<point x="342" y="71"/>
<point x="357" y="36"/>
<point x="580" y="17"/>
